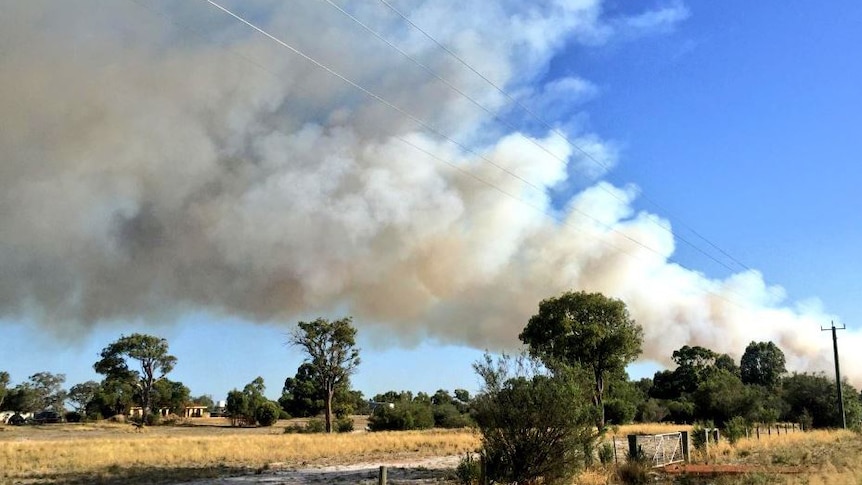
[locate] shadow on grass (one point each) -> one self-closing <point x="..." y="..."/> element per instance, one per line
<point x="115" y="475"/>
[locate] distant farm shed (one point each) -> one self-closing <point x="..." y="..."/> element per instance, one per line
<point x="191" y="411"/>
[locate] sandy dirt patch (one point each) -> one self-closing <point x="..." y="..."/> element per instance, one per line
<point x="399" y="472"/>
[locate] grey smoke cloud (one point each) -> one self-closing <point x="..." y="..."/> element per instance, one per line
<point x="153" y="166"/>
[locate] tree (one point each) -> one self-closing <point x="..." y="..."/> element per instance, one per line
<point x="49" y="390"/>
<point x="4" y="387"/>
<point x="331" y="350"/>
<point x="588" y="330"/>
<point x="151" y="354"/>
<point x="722" y="396"/>
<point x="22" y="399"/>
<point x="726" y="362"/>
<point x="694" y="365"/>
<point x="301" y="396"/>
<point x="535" y="427"/>
<point x="115" y="396"/>
<point x="812" y="397"/>
<point x="404" y="415"/>
<point x="82" y="394"/>
<point x="762" y="364"/>
<point x="171" y="395"/>
<point x="204" y="400"/>
<point x="243" y="405"/>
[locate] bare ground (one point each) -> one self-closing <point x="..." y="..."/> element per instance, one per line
<point x="399" y="472"/>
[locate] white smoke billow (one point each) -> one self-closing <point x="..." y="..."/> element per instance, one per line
<point x="157" y="158"/>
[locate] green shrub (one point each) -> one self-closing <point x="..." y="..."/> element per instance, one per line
<point x="535" y="428"/>
<point x="699" y="433"/>
<point x="468" y="469"/>
<point x="735" y="428"/>
<point x="448" y="416"/>
<point x="73" y="417"/>
<point x="315" y="425"/>
<point x="267" y="413"/>
<point x="403" y="416"/>
<point x="344" y="425"/>
<point x="606" y="453"/>
<point x="153" y="419"/>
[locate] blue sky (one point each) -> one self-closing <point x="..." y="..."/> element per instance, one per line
<point x="740" y="119"/>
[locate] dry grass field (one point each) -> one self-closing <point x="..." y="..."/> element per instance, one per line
<point x="114" y="453"/>
<point x="819" y="457"/>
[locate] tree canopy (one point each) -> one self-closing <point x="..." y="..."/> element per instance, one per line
<point x="152" y="357"/>
<point x="588" y="330"/>
<point x="762" y="364"/>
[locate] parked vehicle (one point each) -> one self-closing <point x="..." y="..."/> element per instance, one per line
<point x="45" y="417"/>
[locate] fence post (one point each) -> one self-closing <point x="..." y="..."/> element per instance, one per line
<point x="614" y="438"/>
<point x="685" y="444"/>
<point x="633" y="446"/>
<point x="483" y="470"/>
<point x="706" y="443"/>
<point x="757" y="429"/>
<point x="381" y="476"/>
<point x="716" y="434"/>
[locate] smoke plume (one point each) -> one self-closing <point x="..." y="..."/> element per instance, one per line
<point x="161" y="157"/>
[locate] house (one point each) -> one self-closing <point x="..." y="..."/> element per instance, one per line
<point x="137" y="412"/>
<point x="196" y="411"/>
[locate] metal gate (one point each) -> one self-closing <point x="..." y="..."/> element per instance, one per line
<point x="659" y="449"/>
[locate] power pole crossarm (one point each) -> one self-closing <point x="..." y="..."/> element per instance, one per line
<point x="837" y="371"/>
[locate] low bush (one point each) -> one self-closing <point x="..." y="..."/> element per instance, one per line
<point x="315" y="425"/>
<point x="735" y="429"/>
<point x="468" y="469"/>
<point x="73" y="417"/>
<point x="267" y="413"/>
<point x="344" y="425"/>
<point x="403" y="416"/>
<point x="153" y="419"/>
<point x="700" y="433"/>
<point x="606" y="453"/>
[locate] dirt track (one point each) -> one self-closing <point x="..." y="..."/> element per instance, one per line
<point x="413" y="472"/>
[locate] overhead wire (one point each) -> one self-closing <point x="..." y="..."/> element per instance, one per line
<point x="574" y="145"/>
<point x="425" y="125"/>
<point x="462" y="146"/>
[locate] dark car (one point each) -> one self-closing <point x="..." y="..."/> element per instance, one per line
<point x="47" y="417"/>
<point x="17" y="420"/>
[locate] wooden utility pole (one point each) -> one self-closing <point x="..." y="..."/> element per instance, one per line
<point x="837" y="371"/>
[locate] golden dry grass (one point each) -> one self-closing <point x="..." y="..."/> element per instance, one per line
<point x="70" y="453"/>
<point x="111" y="453"/>
<point x="827" y="457"/>
<point x="822" y="457"/>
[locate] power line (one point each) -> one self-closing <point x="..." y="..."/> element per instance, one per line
<point x="467" y="149"/>
<point x="559" y="133"/>
<point x="417" y="120"/>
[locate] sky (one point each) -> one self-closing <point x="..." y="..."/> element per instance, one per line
<point x="166" y="168"/>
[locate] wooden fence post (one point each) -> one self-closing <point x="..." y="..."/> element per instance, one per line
<point x="381" y="476"/>
<point x="686" y="454"/>
<point x="633" y="447"/>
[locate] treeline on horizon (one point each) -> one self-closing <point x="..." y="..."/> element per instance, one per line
<point x="705" y="386"/>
